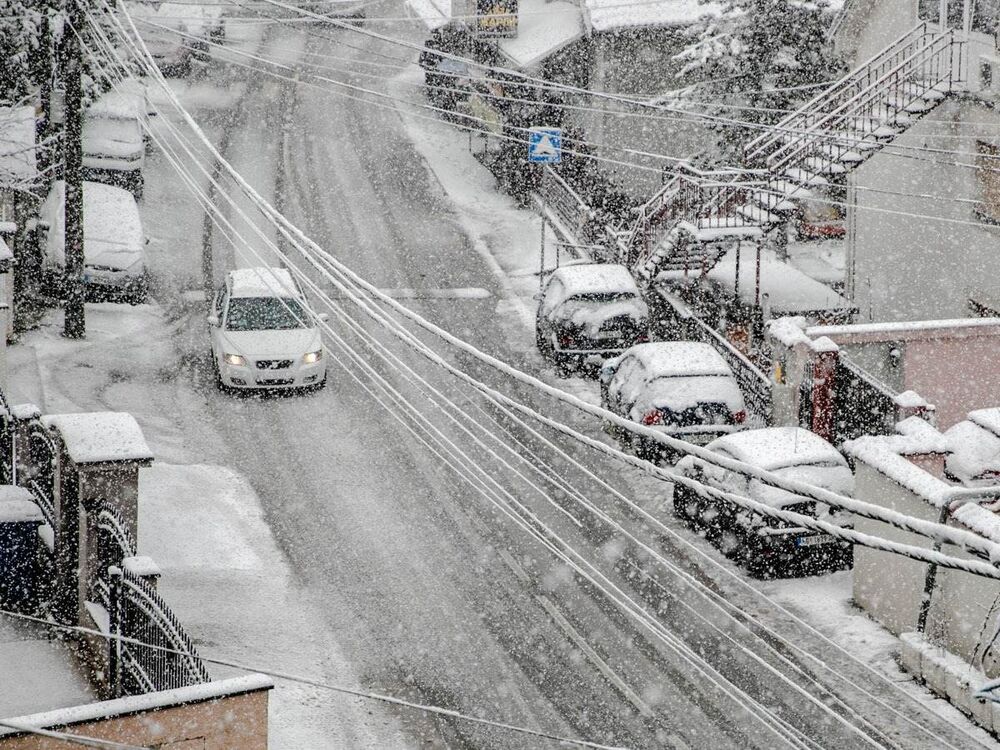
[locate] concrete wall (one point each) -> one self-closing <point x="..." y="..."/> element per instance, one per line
<point x="957" y="375"/>
<point x="902" y="266"/>
<point x="235" y="721"/>
<point x="887" y="586"/>
<point x="871" y="25"/>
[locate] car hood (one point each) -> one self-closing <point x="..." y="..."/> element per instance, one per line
<point x="117" y="255"/>
<point x="289" y="343"/>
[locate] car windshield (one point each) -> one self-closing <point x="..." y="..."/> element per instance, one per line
<point x="264" y="314"/>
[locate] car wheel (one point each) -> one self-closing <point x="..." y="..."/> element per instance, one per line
<point x="222" y="387"/>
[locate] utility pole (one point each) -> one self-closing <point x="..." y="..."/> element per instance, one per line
<point x="75" y="324"/>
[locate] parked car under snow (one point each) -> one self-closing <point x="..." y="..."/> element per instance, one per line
<point x="975" y="449"/>
<point x="767" y="546"/>
<point x="684" y="389"/>
<point x="114" y="146"/>
<point x="114" y="255"/>
<point x="589" y="312"/>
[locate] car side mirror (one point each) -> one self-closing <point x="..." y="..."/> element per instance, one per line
<point x="322" y="317"/>
<point x="213" y="320"/>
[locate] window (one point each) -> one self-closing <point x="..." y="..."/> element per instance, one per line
<point x="264" y="314"/>
<point x="988" y="174"/>
<point x="984" y="15"/>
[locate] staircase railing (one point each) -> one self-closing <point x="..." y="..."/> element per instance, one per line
<point x="862" y="115"/>
<point x="860" y="103"/>
<point x="756" y="150"/>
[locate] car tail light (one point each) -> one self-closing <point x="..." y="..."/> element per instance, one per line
<point x="739" y="417"/>
<point x="642" y="338"/>
<point x="566" y="341"/>
<point x="989" y="475"/>
<point x="652" y="417"/>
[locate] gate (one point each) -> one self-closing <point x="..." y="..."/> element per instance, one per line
<point x="863" y="405"/>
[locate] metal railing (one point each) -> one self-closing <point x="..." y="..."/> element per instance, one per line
<point x="167" y="659"/>
<point x="864" y="405"/>
<point x="38" y="473"/>
<point x="856" y="108"/>
<point x="568" y="206"/>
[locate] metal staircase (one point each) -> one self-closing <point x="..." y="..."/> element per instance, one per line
<point x="697" y="216"/>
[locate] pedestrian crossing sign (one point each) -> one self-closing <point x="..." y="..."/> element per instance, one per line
<point x="544" y="145"/>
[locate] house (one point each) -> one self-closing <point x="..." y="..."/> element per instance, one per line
<point x="844" y="381"/>
<point x="945" y="618"/>
<point x="923" y="214"/>
<point x="593" y="45"/>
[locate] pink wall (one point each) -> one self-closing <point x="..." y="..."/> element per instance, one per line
<point x="957" y="374"/>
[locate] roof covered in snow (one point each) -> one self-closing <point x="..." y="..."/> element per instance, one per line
<point x="788" y="290"/>
<point x="262" y="282"/>
<point x="543" y="28"/>
<point x="595" y="278"/>
<point x="779" y="447"/>
<point x="97" y="437"/>
<point x="433" y="13"/>
<point x="904" y="329"/>
<point x="607" y="15"/>
<point x="17" y="144"/>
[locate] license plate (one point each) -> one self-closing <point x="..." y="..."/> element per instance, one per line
<point x="815" y="541"/>
<point x="605" y="335"/>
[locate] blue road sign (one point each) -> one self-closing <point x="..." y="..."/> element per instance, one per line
<point x="544" y="145"/>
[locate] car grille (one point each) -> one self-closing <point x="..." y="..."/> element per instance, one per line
<point x="273" y="364"/>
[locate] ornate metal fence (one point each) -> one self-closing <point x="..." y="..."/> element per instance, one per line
<point x="166" y="658"/>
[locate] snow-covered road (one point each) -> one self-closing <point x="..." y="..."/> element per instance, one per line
<point x="430" y="592"/>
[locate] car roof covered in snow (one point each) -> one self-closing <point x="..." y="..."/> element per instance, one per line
<point x="262" y="282"/>
<point x="119" y="105"/>
<point x="662" y="359"/>
<point x="773" y="448"/>
<point x="595" y="278"/>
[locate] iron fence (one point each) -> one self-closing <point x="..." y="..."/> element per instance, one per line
<point x="863" y="405"/>
<point x="166" y="658"/>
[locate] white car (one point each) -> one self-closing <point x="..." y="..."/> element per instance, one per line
<point x="975" y="449"/>
<point x="684" y="389"/>
<point x="114" y="146"/>
<point x="767" y="546"/>
<point x="114" y="254"/>
<point x="264" y="336"/>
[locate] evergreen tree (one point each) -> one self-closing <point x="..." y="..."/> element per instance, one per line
<point x="754" y="61"/>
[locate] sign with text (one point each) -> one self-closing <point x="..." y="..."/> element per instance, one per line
<point x="496" y="18"/>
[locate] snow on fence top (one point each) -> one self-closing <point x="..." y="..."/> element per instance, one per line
<point x="887" y="455"/>
<point x="98" y="437"/>
<point x="17" y="505"/>
<point x="607" y="15"/>
<point x="138" y="703"/>
<point x="922" y="329"/>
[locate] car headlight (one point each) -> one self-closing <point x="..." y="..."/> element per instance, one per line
<point x="234" y="359"/>
<point x="313" y="357"/>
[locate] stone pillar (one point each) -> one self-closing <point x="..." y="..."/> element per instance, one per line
<point x="100" y="455"/>
<point x="823" y="390"/>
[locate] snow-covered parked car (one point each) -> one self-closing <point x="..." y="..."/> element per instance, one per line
<point x="264" y="335"/>
<point x="114" y="146"/>
<point x="114" y="253"/>
<point x="684" y="389"/>
<point x="767" y="546"/>
<point x="975" y="449"/>
<point x="176" y="33"/>
<point x="589" y="312"/>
